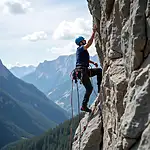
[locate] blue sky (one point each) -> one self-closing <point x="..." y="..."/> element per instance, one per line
<point x="36" y="30"/>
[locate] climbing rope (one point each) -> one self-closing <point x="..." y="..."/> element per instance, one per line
<point x="79" y="114"/>
<point x="71" y="101"/>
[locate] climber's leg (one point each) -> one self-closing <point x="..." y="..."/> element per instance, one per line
<point x="96" y="71"/>
<point x="88" y="86"/>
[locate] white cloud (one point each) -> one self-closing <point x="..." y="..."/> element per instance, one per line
<point x="18" y="64"/>
<point x="69" y="30"/>
<point x="16" y="6"/>
<point x="64" y="50"/>
<point x="36" y="36"/>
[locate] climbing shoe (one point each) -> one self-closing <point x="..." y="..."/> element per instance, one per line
<point x="86" y="109"/>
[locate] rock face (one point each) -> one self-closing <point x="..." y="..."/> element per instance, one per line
<point x="123" y="46"/>
<point x="88" y="134"/>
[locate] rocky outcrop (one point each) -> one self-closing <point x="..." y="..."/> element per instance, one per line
<point x="123" y="46"/>
<point x="88" y="134"/>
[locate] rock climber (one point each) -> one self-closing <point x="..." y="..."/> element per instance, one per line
<point x="82" y="67"/>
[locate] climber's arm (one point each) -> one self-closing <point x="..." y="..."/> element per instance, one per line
<point x="92" y="62"/>
<point x="90" y="41"/>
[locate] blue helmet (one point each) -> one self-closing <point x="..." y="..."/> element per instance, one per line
<point x="79" y="39"/>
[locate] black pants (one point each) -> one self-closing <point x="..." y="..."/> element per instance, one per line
<point x="85" y="78"/>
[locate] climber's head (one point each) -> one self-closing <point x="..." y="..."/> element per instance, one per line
<point x="80" y="41"/>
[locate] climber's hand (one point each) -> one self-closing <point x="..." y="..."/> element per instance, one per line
<point x="96" y="65"/>
<point x="94" y="28"/>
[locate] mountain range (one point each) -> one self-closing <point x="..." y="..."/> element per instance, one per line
<point x="21" y="71"/>
<point x="24" y="110"/>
